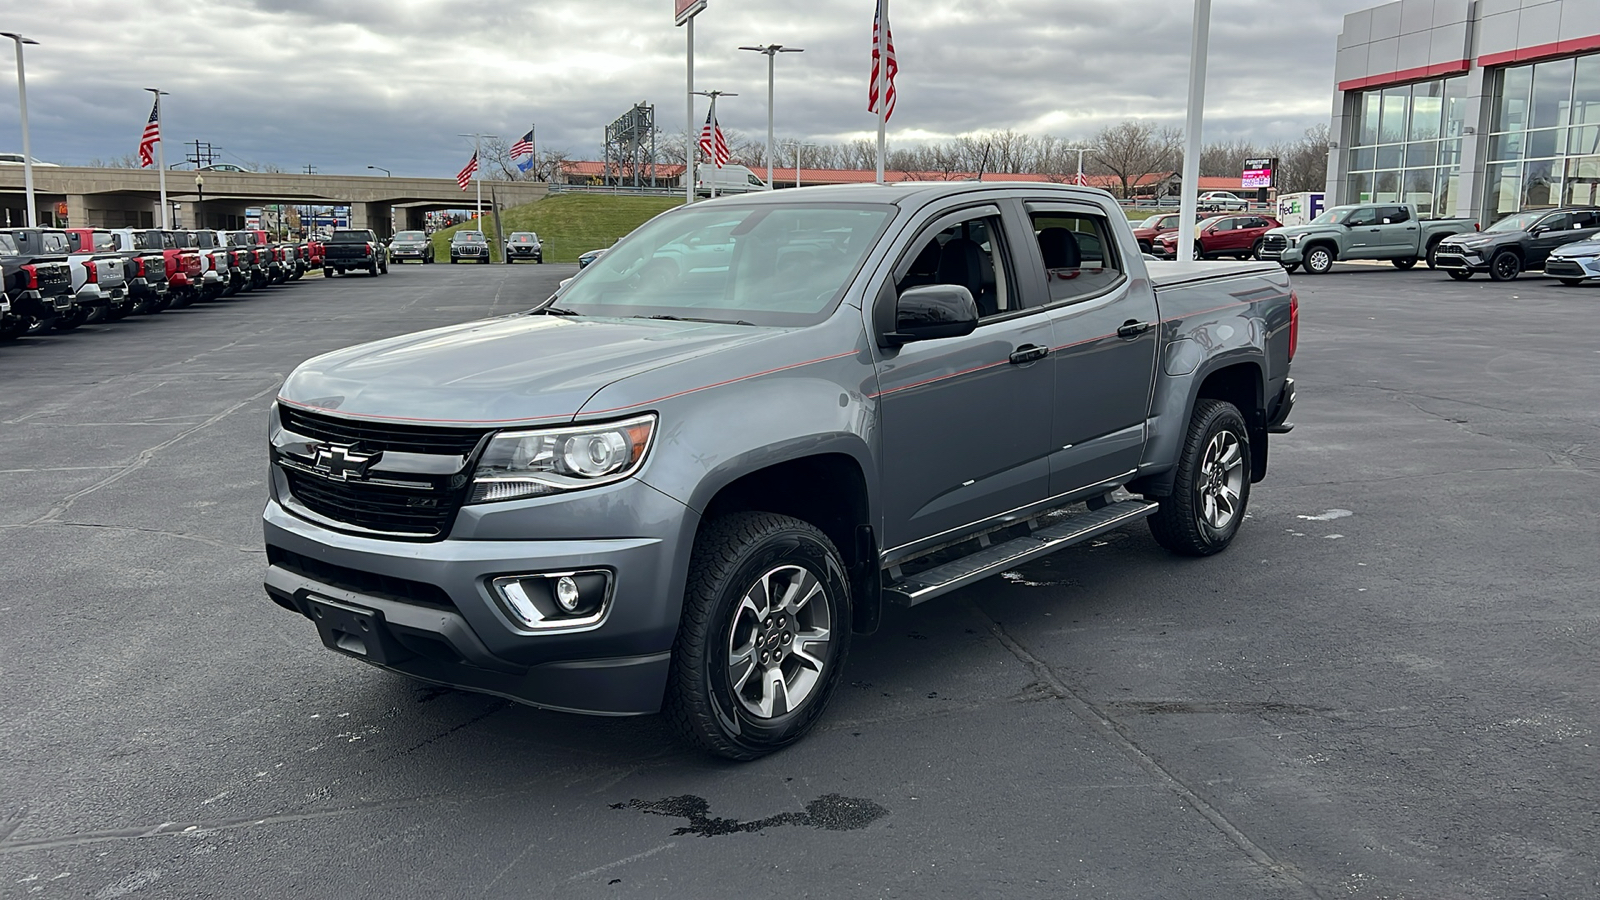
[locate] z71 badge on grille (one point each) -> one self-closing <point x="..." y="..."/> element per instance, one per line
<point x="342" y="462"/>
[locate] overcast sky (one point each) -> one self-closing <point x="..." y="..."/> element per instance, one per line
<point x="345" y="84"/>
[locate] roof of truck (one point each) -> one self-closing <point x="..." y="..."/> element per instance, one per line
<point x="915" y="192"/>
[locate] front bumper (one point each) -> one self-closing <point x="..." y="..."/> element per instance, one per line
<point x="1460" y="260"/>
<point x="426" y="609"/>
<point x="407" y="252"/>
<point x="1569" y="267"/>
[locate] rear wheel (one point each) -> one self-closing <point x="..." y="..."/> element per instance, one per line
<point x="1213" y="485"/>
<point x="1505" y="266"/>
<point x="1405" y="263"/>
<point x="1459" y="274"/>
<point x="1255" y="250"/>
<point x="763" y="637"/>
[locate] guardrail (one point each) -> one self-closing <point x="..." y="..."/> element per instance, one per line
<point x="624" y="189"/>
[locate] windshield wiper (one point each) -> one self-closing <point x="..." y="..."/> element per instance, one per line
<point x="697" y="319"/>
<point x="557" y="311"/>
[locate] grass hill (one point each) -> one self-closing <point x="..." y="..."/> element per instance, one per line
<point x="567" y="224"/>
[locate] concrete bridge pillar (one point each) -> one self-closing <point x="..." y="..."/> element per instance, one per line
<point x="78" y="211"/>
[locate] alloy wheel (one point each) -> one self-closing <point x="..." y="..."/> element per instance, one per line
<point x="778" y="642"/>
<point x="1221" y="480"/>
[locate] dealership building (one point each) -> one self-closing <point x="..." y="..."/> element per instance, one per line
<point x="1475" y="108"/>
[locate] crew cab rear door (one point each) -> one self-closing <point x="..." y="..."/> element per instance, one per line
<point x="1105" y="333"/>
<point x="965" y="421"/>
<point x="1398" y="232"/>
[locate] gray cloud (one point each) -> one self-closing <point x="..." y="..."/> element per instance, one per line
<point x="341" y="85"/>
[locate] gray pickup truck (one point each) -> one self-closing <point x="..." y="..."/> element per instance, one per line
<point x="1391" y="231"/>
<point x="686" y="479"/>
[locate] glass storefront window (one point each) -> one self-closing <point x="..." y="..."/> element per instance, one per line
<point x="1586" y="92"/>
<point x="1540" y="184"/>
<point x="1389" y="156"/>
<point x="1552" y="93"/>
<point x="1455" y="106"/>
<point x="1516" y="88"/>
<point x="1583" y="141"/>
<point x="1444" y="192"/>
<point x="1362" y="158"/>
<point x="1392" y="127"/>
<point x="1385" y="187"/>
<point x="1419" y="190"/>
<point x="1506" y="146"/>
<point x="1367" y="125"/>
<point x="1503" y="190"/>
<point x="1422" y="154"/>
<point x="1361" y="187"/>
<point x="1545" y="143"/>
<point x="1581" y="185"/>
<point x="1450" y="153"/>
<point x="1426" y="104"/>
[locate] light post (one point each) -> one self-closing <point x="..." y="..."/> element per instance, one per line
<point x="22" y="105"/>
<point x="1081" y="151"/>
<point x="715" y="127"/>
<point x="199" y="205"/>
<point x="1200" y="40"/>
<point x="389" y="174"/>
<point x="797" y="148"/>
<point x="771" y="52"/>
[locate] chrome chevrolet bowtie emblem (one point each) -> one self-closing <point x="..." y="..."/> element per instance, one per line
<point x="342" y="462"/>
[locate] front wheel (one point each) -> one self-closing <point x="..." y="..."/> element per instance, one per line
<point x="1459" y="274"/>
<point x="1433" y="255"/>
<point x="1319" y="260"/>
<point x="1505" y="266"/>
<point x="1255" y="250"/>
<point x="1289" y="267"/>
<point x="1572" y="282"/>
<point x="1213" y="484"/>
<point x="1405" y="263"/>
<point x="763" y="637"/>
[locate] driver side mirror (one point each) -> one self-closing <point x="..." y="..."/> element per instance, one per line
<point x="932" y="311"/>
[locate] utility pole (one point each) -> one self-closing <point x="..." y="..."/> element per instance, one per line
<point x="715" y="127"/>
<point x="27" y="148"/>
<point x="771" y="51"/>
<point x="309" y="169"/>
<point x="161" y="159"/>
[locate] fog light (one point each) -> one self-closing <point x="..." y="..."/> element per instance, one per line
<point x="554" y="601"/>
<point x="567" y="593"/>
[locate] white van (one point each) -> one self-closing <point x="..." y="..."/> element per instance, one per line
<point x="729" y="180"/>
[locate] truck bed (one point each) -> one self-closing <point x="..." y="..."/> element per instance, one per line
<point x="1166" y="273"/>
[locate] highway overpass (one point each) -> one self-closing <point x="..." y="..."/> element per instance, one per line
<point x="114" y="198"/>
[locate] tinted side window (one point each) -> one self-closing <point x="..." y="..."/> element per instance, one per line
<point x="1586" y="219"/>
<point x="1367" y="215"/>
<point x="970" y="254"/>
<point x="1079" y="254"/>
<point x="1396" y="214"/>
<point x="55" y="242"/>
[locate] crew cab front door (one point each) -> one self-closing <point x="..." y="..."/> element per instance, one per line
<point x="1397" y="233"/>
<point x="965" y="421"/>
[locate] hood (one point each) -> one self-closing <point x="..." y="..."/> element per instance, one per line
<point x="1578" y="248"/>
<point x="512" y="369"/>
<point x="1485" y="238"/>
<point x="1290" y="230"/>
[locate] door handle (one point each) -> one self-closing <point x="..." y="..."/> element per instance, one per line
<point x="1028" y="353"/>
<point x="1133" y="328"/>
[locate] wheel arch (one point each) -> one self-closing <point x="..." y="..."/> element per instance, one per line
<point x="1239" y="382"/>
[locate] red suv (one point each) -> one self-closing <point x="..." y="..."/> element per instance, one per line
<point x="1238" y="236"/>
<point x="1154" y="227"/>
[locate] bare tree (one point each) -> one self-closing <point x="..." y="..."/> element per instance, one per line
<point x="125" y="161"/>
<point x="1131" y="150"/>
<point x="1303" y="165"/>
<point x="1226" y="159"/>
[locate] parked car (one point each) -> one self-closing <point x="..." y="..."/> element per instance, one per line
<point x="146" y="264"/>
<point x="251" y="262"/>
<point x="352" y="249"/>
<point x="1147" y="231"/>
<point x="524" y="245"/>
<point x="1391" y="231"/>
<point x="469" y="245"/>
<point x="184" y="270"/>
<point x="589" y="256"/>
<point x="411" y="245"/>
<point x="1222" y="200"/>
<point x="557" y="507"/>
<point x="35" y="285"/>
<point x="98" y="277"/>
<point x="215" y="262"/>
<point x="1516" y="243"/>
<point x="729" y="179"/>
<point x="1576" y="263"/>
<point x="222" y="167"/>
<point x="16" y="159"/>
<point x="1236" y="236"/>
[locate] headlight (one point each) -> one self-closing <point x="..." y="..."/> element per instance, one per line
<point x="1294" y="239"/>
<point x="520" y="464"/>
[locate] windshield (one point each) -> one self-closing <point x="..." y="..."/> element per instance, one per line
<point x="1519" y="222"/>
<point x="7" y="245"/>
<point x="54" y="241"/>
<point x="410" y="236"/>
<point x="763" y="265"/>
<point x="467" y="237"/>
<point x="351" y="237"/>
<point x="522" y="238"/>
<point x="103" y="242"/>
<point x="1334" y="216"/>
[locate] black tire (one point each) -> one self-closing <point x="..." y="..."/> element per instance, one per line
<point x="1255" y="249"/>
<point x="1318" y="260"/>
<point x="1433" y="254"/>
<point x="1459" y="274"/>
<point x="385" y="268"/>
<point x="372" y="268"/>
<point x="1572" y="282"/>
<point x="1289" y="267"/>
<point x="1199" y="251"/>
<point x="452" y="260"/>
<point x="1190" y="522"/>
<point x="733" y="555"/>
<point x="78" y="316"/>
<point x="1404" y="263"/>
<point x="1505" y="266"/>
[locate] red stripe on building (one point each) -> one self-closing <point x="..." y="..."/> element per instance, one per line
<point x="1541" y="51"/>
<point x="1419" y="73"/>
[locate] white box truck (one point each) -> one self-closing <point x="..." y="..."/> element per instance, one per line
<point x="1301" y="208"/>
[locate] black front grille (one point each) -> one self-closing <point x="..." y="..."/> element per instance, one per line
<point x="373" y="436"/>
<point x="386" y="586"/>
<point x="1275" y="242"/>
<point x="1564" y="268"/>
<point x="420" y="514"/>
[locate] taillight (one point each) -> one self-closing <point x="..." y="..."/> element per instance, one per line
<point x="93" y="270"/>
<point x="33" y="277"/>
<point x="1294" y="323"/>
<point x="369" y="249"/>
<point x="138" y="266"/>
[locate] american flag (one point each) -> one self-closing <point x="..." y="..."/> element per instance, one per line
<point x="152" y="133"/>
<point x="1081" y="179"/>
<point x="711" y="136"/>
<point x="887" y="41"/>
<point x="523" y="146"/>
<point x="464" y="177"/>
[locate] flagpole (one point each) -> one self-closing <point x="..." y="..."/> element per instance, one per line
<point x="477" y="174"/>
<point x="715" y="125"/>
<point x="688" y="134"/>
<point x="161" y="162"/>
<point x="882" y="49"/>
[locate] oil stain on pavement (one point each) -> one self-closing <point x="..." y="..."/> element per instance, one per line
<point x="830" y="812"/>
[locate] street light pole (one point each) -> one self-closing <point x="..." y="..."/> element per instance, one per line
<point x="1081" y="151"/>
<point x="771" y="51"/>
<point x="200" y="204"/>
<point x="386" y="172"/>
<point x="27" y="149"/>
<point x="1189" y="206"/>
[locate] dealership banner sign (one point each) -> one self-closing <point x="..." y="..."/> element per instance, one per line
<point x="684" y="10"/>
<point x="1258" y="172"/>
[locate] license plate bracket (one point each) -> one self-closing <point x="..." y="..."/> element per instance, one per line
<point x="355" y="631"/>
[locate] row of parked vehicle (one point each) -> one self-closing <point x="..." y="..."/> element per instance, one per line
<point x="61" y="278"/>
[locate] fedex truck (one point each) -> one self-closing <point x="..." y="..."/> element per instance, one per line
<point x="1301" y="208"/>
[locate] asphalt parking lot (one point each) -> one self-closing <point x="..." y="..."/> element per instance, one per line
<point x="1388" y="687"/>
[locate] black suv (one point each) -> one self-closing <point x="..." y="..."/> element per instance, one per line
<point x="469" y="245"/>
<point x="1516" y="243"/>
